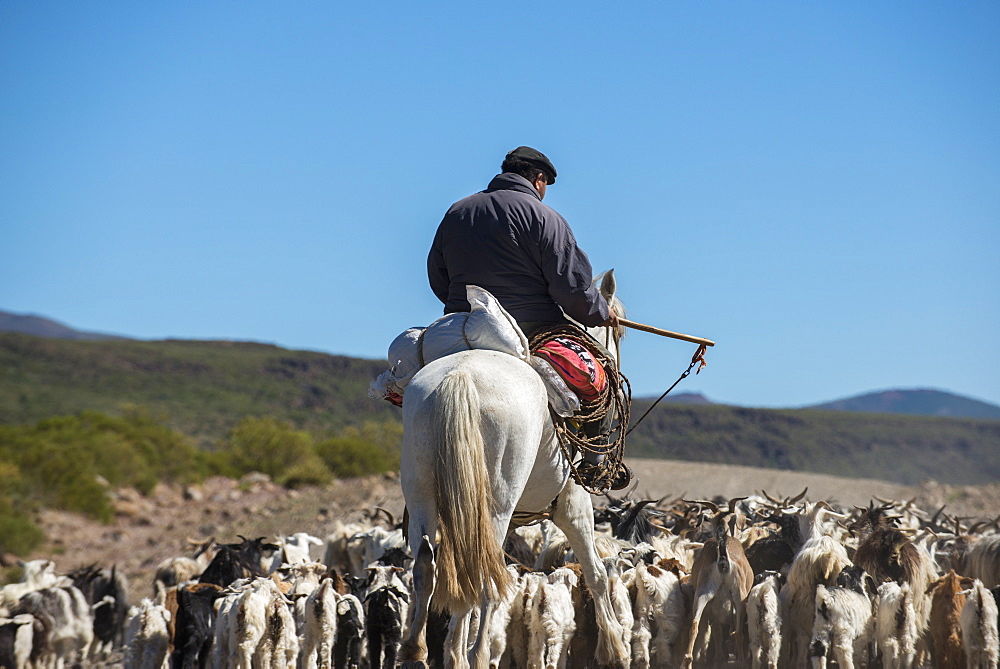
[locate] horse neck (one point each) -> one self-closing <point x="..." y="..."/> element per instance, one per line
<point x="606" y="337"/>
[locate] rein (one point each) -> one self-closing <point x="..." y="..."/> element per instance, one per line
<point x="698" y="357"/>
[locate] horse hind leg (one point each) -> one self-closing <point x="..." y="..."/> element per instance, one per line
<point x="413" y="651"/>
<point x="575" y="517"/>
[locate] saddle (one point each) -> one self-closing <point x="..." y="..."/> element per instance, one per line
<point x="568" y="370"/>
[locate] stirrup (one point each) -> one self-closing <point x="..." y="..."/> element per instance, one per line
<point x="622" y="477"/>
<point x="587" y="474"/>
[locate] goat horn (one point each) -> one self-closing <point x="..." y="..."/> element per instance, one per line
<point x="389" y="516"/>
<point x="769" y="498"/>
<point x="734" y="501"/>
<point x="938" y="513"/>
<point x="799" y="496"/>
<point x="703" y="502"/>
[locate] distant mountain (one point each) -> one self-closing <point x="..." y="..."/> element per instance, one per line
<point x="924" y="402"/>
<point x="696" y="399"/>
<point x="45" y="327"/>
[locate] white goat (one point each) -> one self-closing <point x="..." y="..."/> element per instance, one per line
<point x="843" y="624"/>
<point x="365" y="548"/>
<point x="979" y="628"/>
<point x="16" y="638"/>
<point x="335" y="555"/>
<point x="178" y="570"/>
<point x="818" y="562"/>
<point x="320" y="626"/>
<point x="35" y="575"/>
<point x="896" y="626"/>
<point x="500" y="620"/>
<point x="658" y="614"/>
<point x="67" y="620"/>
<point x="147" y="637"/>
<point x="764" y="619"/>
<point x="295" y="549"/>
<point x="279" y="646"/>
<point x="224" y="632"/>
<point x="550" y="620"/>
<point x="517" y="642"/>
<point x="300" y="579"/>
<point x="255" y="618"/>
<point x="983" y="560"/>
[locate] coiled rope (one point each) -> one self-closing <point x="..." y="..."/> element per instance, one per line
<point x="615" y="399"/>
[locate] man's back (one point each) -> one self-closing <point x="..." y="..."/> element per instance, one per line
<point x="504" y="239"/>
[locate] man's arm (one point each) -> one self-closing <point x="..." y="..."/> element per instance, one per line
<point x="570" y="278"/>
<point x="437" y="273"/>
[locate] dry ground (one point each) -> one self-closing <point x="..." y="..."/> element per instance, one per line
<point x="150" y="529"/>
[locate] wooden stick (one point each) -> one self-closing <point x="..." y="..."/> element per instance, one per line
<point x="665" y="333"/>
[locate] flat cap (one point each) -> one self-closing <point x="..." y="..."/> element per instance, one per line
<point x="536" y="158"/>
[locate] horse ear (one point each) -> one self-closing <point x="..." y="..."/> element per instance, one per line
<point x="608" y="286"/>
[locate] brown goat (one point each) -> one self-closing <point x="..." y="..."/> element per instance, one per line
<point x="887" y="555"/>
<point x="947" y="600"/>
<point x="720" y="574"/>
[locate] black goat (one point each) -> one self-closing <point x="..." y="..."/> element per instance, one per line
<point x="350" y="633"/>
<point x="385" y="609"/>
<point x="772" y="553"/>
<point x="235" y="561"/>
<point x="630" y="520"/>
<point x="194" y="625"/>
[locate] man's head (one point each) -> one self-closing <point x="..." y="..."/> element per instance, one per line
<point x="531" y="164"/>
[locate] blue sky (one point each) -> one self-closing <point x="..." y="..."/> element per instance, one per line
<point x="815" y="186"/>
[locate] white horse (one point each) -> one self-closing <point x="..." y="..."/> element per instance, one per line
<point x="478" y="445"/>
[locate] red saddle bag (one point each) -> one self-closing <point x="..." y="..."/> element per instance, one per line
<point x="578" y="367"/>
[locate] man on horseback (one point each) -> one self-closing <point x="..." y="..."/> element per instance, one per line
<point x="504" y="239"/>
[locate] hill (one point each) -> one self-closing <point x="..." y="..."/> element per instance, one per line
<point x="204" y="388"/>
<point x="924" y="402"/>
<point x="45" y="327"/>
<point x="899" y="448"/>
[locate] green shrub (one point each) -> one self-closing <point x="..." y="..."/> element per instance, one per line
<point x="351" y="456"/>
<point x="312" y="471"/>
<point x="18" y="532"/>
<point x="61" y="458"/>
<point x="273" y="448"/>
<point x="63" y="477"/>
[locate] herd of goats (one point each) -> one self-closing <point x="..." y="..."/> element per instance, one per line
<point x="755" y="581"/>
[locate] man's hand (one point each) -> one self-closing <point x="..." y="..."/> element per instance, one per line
<point x="612" y="321"/>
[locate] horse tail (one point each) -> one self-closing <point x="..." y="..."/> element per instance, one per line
<point x="470" y="555"/>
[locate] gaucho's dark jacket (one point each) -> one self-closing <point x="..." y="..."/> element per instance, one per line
<point x="504" y="239"/>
